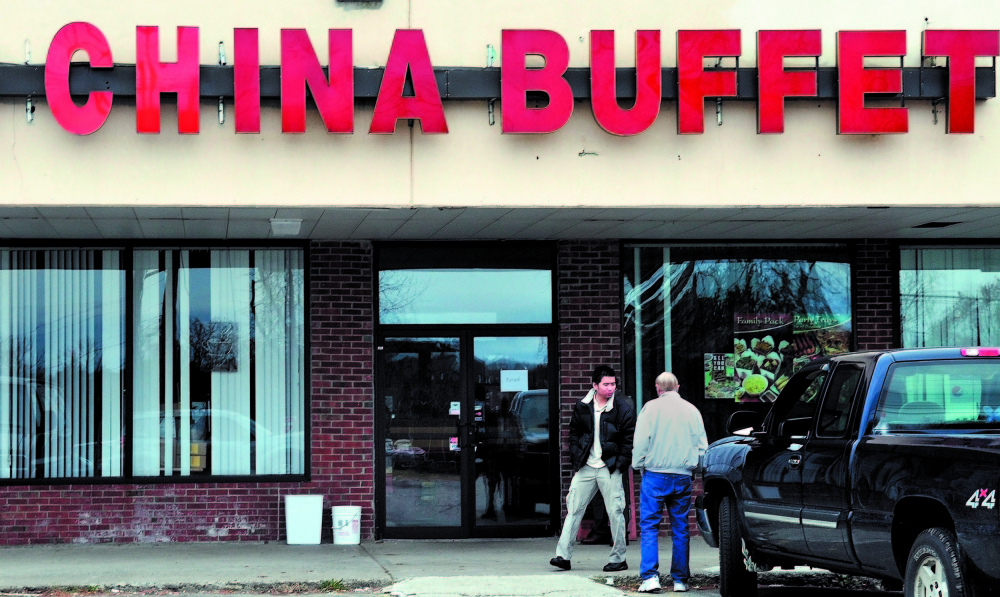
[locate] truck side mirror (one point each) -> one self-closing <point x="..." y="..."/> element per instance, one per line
<point x="743" y="422"/>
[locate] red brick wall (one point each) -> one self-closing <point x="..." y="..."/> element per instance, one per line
<point x="876" y="286"/>
<point x="342" y="436"/>
<point x="589" y="311"/>
<point x="343" y="420"/>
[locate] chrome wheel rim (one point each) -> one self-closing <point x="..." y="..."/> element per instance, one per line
<point x="930" y="580"/>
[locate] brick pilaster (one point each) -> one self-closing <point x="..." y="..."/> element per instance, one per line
<point x="589" y="295"/>
<point x="876" y="285"/>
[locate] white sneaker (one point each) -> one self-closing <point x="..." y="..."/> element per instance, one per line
<point x="680" y="587"/>
<point x="650" y="585"/>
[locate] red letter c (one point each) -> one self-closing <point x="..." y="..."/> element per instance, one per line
<point x="86" y="119"/>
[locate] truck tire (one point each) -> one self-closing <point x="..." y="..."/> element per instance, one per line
<point x="734" y="578"/>
<point x="935" y="566"/>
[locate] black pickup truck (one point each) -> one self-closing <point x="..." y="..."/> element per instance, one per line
<point x="880" y="464"/>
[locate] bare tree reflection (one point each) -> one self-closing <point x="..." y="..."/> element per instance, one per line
<point x="397" y="291"/>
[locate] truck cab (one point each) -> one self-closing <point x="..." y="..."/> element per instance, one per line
<point x="859" y="455"/>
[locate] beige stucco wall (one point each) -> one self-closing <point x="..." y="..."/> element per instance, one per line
<point x="475" y="165"/>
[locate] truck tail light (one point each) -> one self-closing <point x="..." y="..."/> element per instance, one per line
<point x="981" y="352"/>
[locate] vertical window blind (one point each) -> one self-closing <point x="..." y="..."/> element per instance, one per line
<point x="216" y="349"/>
<point x="220" y="389"/>
<point x="61" y="365"/>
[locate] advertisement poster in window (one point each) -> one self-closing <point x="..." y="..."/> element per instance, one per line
<point x="767" y="349"/>
<point x="719" y="379"/>
<point x="824" y="334"/>
<point x="761" y="343"/>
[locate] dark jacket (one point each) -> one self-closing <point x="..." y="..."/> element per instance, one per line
<point x="617" y="430"/>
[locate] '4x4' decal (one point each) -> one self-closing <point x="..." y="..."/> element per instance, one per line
<point x="986" y="498"/>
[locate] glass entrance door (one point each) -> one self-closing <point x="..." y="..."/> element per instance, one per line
<point x="421" y="397"/>
<point x="465" y="437"/>
<point x="514" y="474"/>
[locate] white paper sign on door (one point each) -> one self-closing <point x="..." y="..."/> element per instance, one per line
<point x="456" y="408"/>
<point x="514" y="380"/>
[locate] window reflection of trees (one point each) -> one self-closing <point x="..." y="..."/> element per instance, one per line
<point x="715" y="290"/>
<point x="398" y="290"/>
<point x="949" y="297"/>
<point x="762" y="286"/>
<point x="685" y="300"/>
<point x="423" y="378"/>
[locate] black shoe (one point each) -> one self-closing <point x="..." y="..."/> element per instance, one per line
<point x="622" y="565"/>
<point x="560" y="562"/>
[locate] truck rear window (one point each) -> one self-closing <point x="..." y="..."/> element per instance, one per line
<point x="957" y="394"/>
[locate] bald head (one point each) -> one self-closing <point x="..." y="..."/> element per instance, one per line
<point x="666" y="382"/>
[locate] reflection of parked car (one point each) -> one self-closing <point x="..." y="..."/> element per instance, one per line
<point x="405" y="455"/>
<point x="223" y="442"/>
<point x="48" y="438"/>
<point x="529" y="412"/>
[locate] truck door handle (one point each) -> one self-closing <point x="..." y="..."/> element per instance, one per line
<point x="795" y="460"/>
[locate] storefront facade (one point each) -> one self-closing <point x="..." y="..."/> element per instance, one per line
<point x="216" y="293"/>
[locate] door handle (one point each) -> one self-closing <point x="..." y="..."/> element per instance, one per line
<point x="795" y="460"/>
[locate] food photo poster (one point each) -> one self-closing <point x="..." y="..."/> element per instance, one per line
<point x="767" y="349"/>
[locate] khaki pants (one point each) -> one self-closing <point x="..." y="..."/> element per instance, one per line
<point x="586" y="482"/>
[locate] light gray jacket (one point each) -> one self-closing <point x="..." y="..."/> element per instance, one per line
<point x="669" y="436"/>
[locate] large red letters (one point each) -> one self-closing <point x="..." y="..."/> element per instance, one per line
<point x="300" y="67"/>
<point x="648" y="83"/>
<point x="408" y="53"/>
<point x="153" y="77"/>
<point x="334" y="93"/>
<point x="246" y="80"/>
<point x="961" y="48"/>
<point x="774" y="83"/>
<point x="516" y="80"/>
<point x="855" y="81"/>
<point x="693" y="83"/>
<point x="85" y="119"/>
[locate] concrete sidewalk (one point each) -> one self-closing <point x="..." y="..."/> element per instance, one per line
<point x="259" y="567"/>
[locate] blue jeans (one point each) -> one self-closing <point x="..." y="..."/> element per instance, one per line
<point x="661" y="490"/>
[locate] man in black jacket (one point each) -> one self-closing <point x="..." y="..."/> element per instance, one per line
<point x="599" y="459"/>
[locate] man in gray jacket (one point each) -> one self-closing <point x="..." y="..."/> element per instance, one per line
<point x="669" y="443"/>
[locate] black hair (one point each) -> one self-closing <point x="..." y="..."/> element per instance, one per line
<point x="602" y="371"/>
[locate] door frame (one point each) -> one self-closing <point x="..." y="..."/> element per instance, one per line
<point x="466" y="333"/>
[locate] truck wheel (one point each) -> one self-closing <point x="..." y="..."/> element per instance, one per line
<point x="934" y="567"/>
<point x="735" y="580"/>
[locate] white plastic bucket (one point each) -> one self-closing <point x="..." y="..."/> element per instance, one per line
<point x="303" y="519"/>
<point x="346" y="525"/>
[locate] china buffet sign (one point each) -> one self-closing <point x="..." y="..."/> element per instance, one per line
<point x="334" y="94"/>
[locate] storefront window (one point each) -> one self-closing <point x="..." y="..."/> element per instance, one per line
<point x="217" y="354"/>
<point x="477" y="283"/>
<point x="465" y="296"/>
<point x="949" y="296"/>
<point x="61" y="363"/>
<point x="732" y="322"/>
<point x="219" y="364"/>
